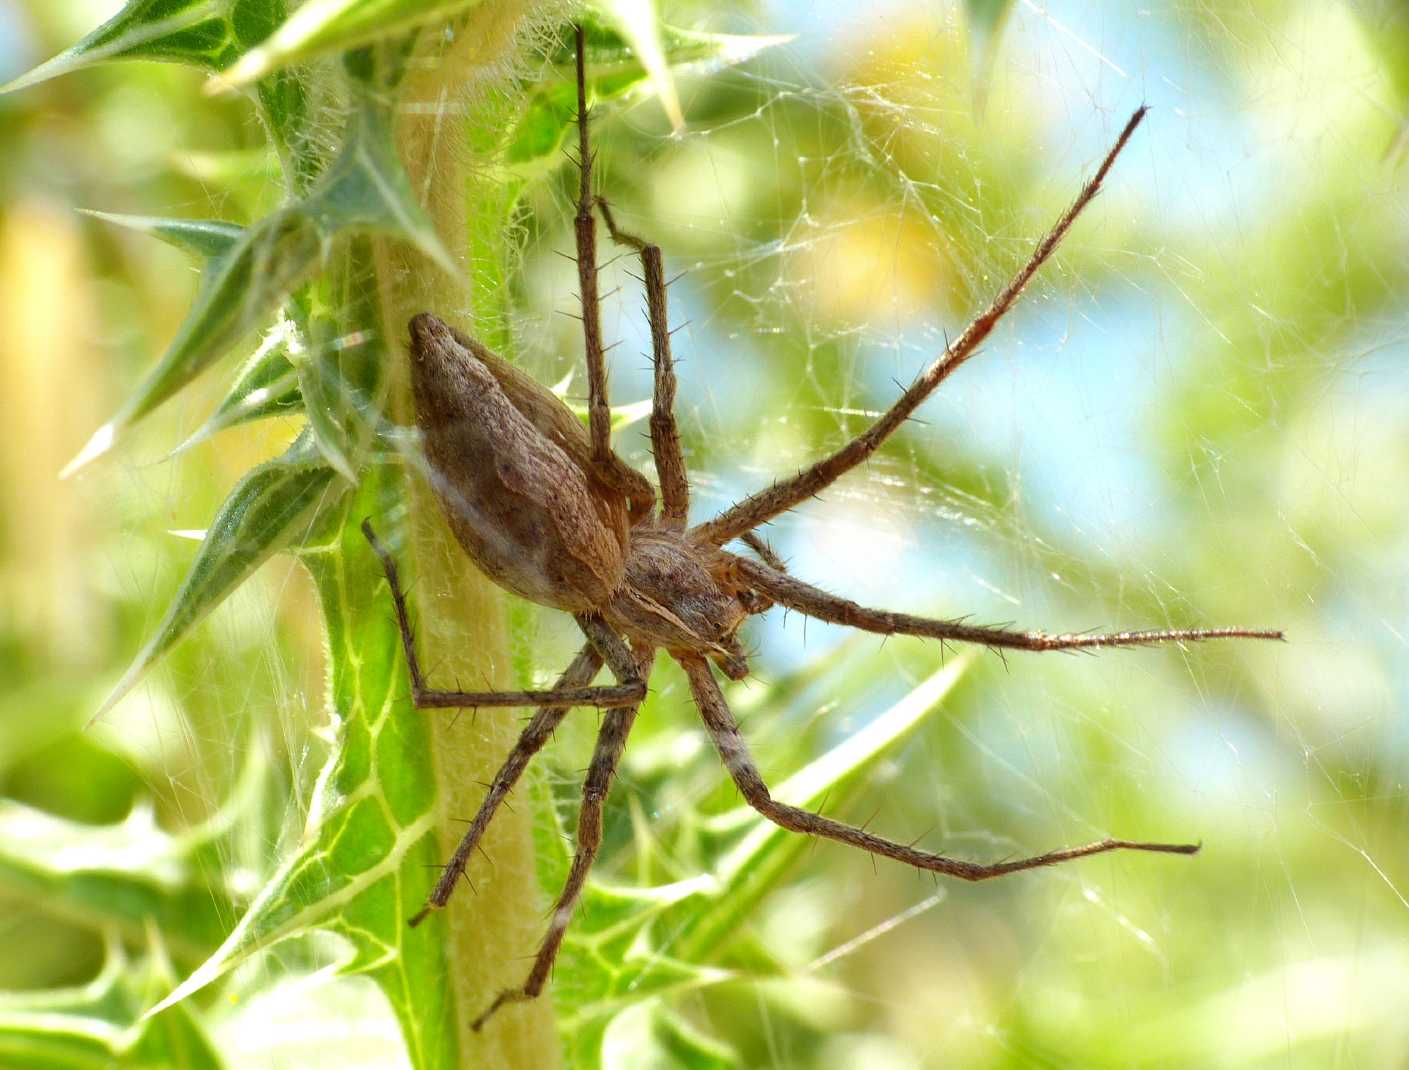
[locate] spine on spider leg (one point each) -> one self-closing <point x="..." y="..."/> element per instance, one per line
<point x="460" y="617"/>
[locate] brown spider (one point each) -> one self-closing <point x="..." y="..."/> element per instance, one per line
<point x="549" y="512"/>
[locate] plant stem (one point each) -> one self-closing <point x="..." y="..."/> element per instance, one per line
<point x="448" y="157"/>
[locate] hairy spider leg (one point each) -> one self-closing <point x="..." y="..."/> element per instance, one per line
<point x="665" y="434"/>
<point x="615" y="472"/>
<point x="759" y="545"/>
<point x="537" y="733"/>
<point x="783" y="495"/>
<point x="611" y="741"/>
<point x="735" y="755"/>
<point x="599" y="414"/>
<point x="815" y="602"/>
<point x="630" y="686"/>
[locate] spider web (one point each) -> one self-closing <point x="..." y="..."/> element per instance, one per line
<point x="1188" y="419"/>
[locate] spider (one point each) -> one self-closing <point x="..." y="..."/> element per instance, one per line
<point x="549" y="512"/>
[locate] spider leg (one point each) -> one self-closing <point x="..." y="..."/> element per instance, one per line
<point x="530" y="742"/>
<point x="762" y="506"/>
<point x="665" y="434"/>
<point x="803" y="597"/>
<point x="630" y="686"/>
<point x="752" y="598"/>
<point x="735" y="755"/>
<point x="614" y="472"/>
<point x="611" y="741"/>
<point x="759" y="545"/>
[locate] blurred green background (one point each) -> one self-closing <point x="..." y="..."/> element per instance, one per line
<point x="1197" y="417"/>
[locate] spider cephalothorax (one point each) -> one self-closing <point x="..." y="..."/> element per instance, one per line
<point x="549" y="512"/>
<point x="678" y="596"/>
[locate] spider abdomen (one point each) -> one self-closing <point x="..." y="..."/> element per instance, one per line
<point x="510" y="478"/>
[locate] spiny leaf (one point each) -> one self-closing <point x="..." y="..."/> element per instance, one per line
<point x="273" y="506"/>
<point x="340" y="371"/>
<point x="210" y="34"/>
<point x="331" y="411"/>
<point x="100" y="1024"/>
<point x="266" y="386"/>
<point x="757" y="862"/>
<point x="120" y="875"/>
<point x="366" y="189"/>
<point x="205" y="238"/>
<point x="322" y="26"/>
<point x="363" y="861"/>
<point x="239" y="288"/>
<point x="242" y="285"/>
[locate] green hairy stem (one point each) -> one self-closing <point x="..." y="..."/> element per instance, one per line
<point x="460" y="613"/>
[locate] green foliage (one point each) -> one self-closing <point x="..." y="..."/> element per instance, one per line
<point x="635" y="947"/>
<point x="272" y="508"/>
<point x="209" y="34"/>
<point x="359" y="868"/>
<point x="125" y="878"/>
<point x="268" y="385"/>
<point x="362" y="856"/>
<point x="250" y="273"/>
<point x="98" y="1023"/>
<point x="323" y="26"/>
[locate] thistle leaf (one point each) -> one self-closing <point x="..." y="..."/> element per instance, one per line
<point x="210" y="34"/>
<point x="611" y="960"/>
<point x="366" y="189"/>
<point x="239" y="289"/>
<point x="249" y="273"/>
<point x="125" y="877"/>
<point x="639" y="23"/>
<point x="362" y="865"/>
<point x="339" y="370"/>
<point x="266" y="386"/>
<point x="205" y="238"/>
<point x="274" y="506"/>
